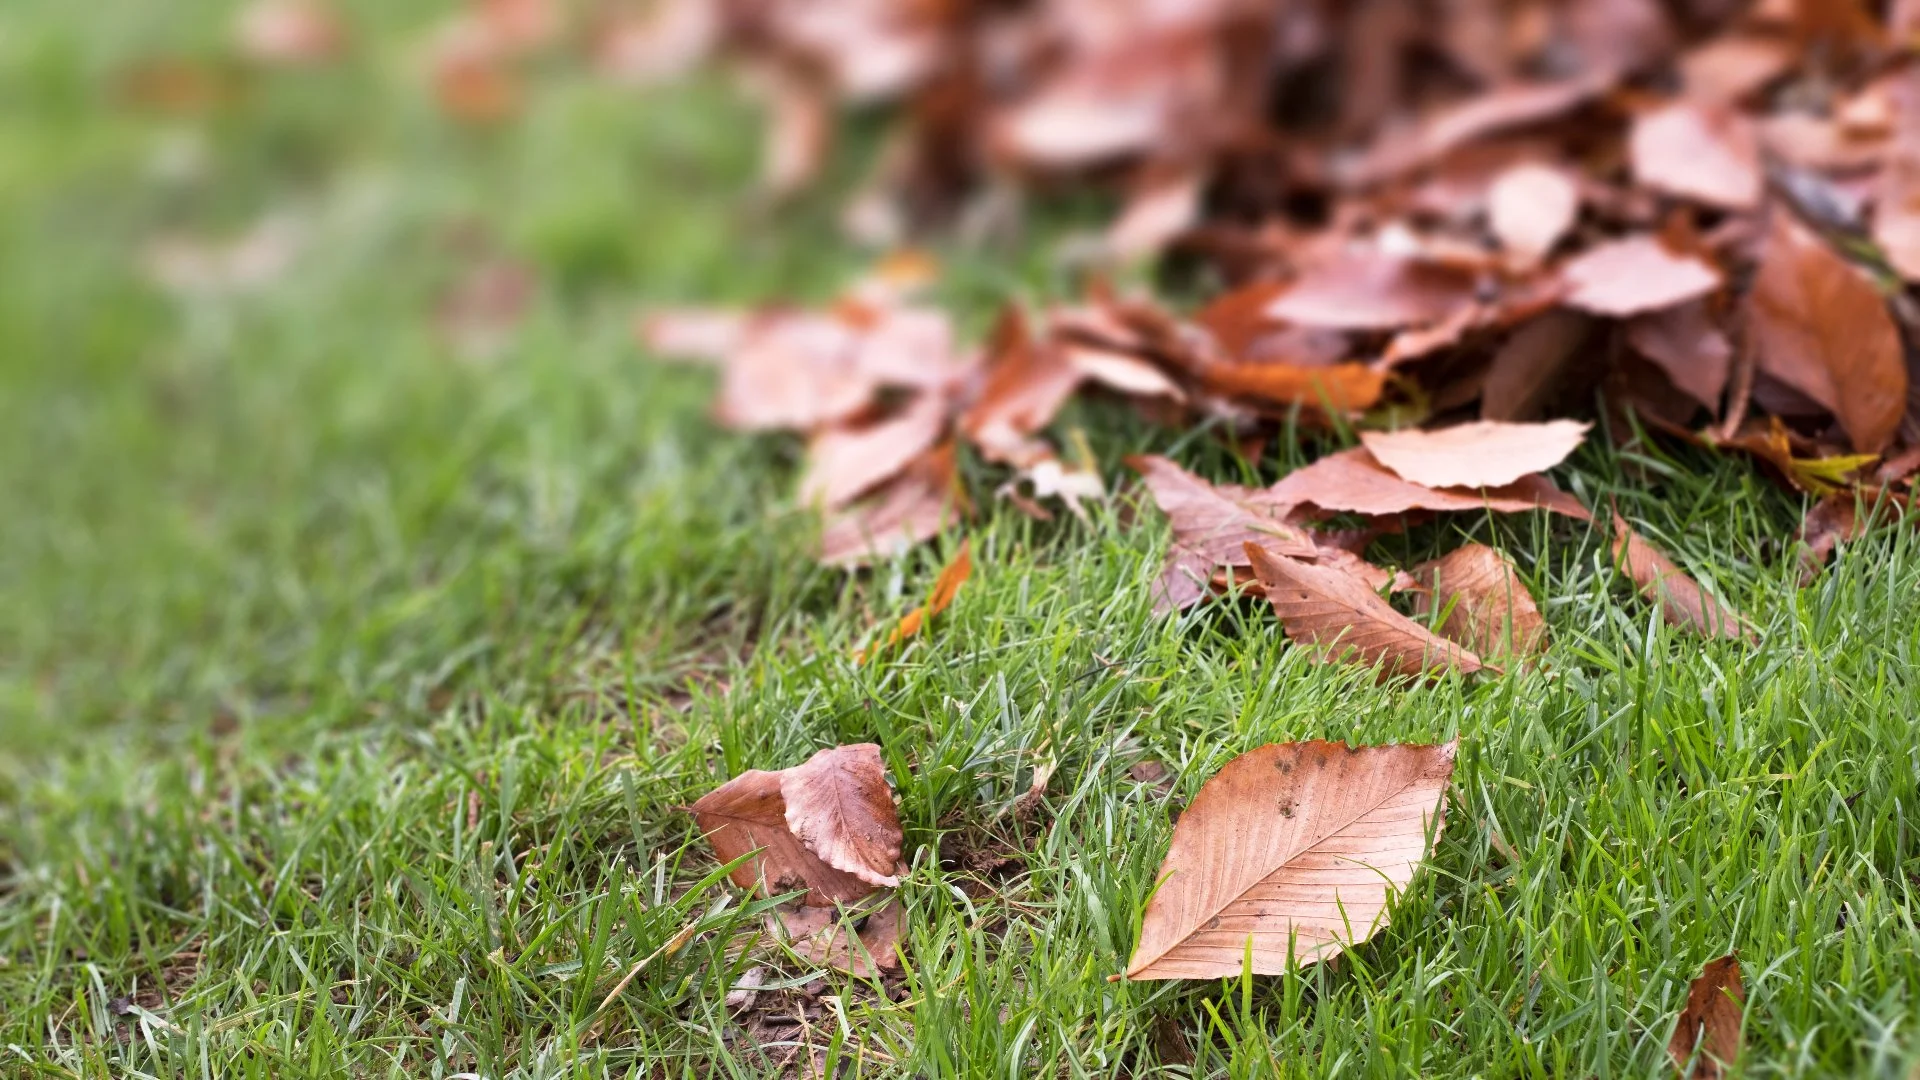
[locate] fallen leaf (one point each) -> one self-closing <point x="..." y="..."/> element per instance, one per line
<point x="1686" y="345"/>
<point x="1120" y="371"/>
<point x="1162" y="206"/>
<point x="1211" y="527"/>
<point x="1529" y="208"/>
<point x="1529" y="365"/>
<point x="798" y="131"/>
<point x="1734" y="65"/>
<point x="1486" y="453"/>
<point x="911" y="508"/>
<point x="1708" y="155"/>
<point x="1896" y="203"/>
<point x="1287" y="857"/>
<point x="845" y="461"/>
<point x="1821" y="327"/>
<point x="1338" y="388"/>
<point x="1708" y="1034"/>
<point x="945" y="588"/>
<point x="1370" y="290"/>
<point x="1491" y="613"/>
<point x="827" y="826"/>
<point x="794" y="370"/>
<point x="1511" y="106"/>
<point x="1353" y="481"/>
<point x="1634" y="275"/>
<point x="1682" y="601"/>
<point x="1324" y="607"/>
<point x="1027" y="383"/>
<point x="822" y="935"/>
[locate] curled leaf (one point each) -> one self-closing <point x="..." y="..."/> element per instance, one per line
<point x="1324" y="607"/>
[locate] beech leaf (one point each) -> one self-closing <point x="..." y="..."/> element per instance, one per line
<point x="1488" y="453"/>
<point x="827" y="826"/>
<point x="1337" y="612"/>
<point x="861" y="946"/>
<point x="1708" y="155"/>
<point x="1627" y="277"/>
<point x="1529" y="208"/>
<point x="1353" y="481"/>
<point x="1682" y="601"/>
<point x="1708" y="1033"/>
<point x="1289" y="855"/>
<point x="1489" y="608"/>
<point x="1211" y="527"/>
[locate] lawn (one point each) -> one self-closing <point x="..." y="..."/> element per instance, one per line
<point x="352" y="685"/>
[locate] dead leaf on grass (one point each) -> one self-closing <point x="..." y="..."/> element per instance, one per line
<point x="1484" y="454"/>
<point x="1822" y="328"/>
<point x="846" y="461"/>
<point x="1710" y="155"/>
<point x="1529" y="208"/>
<point x="1682" y="601"/>
<point x="1708" y="1032"/>
<point x="1489" y="608"/>
<point x="1337" y="612"/>
<point x="827" y="826"/>
<point x="863" y="946"/>
<point x="1211" y="527"/>
<point x="910" y="508"/>
<point x="945" y="588"/>
<point x="1354" y="482"/>
<point x="1635" y="275"/>
<point x="1684" y="342"/>
<point x="1288" y="856"/>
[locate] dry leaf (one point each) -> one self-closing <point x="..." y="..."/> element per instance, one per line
<point x="912" y="507"/>
<point x="827" y="826"/>
<point x="1682" y="601"/>
<point x="1710" y="1021"/>
<point x="794" y="371"/>
<point x="1027" y="383"/>
<point x="1338" y="612"/>
<point x="1491" y="613"/>
<point x="1353" y="481"/>
<point x="1687" y="347"/>
<point x="843" y="462"/>
<point x="1530" y="364"/>
<point x="1511" y="106"/>
<point x="1634" y="275"/>
<point x="1896" y="204"/>
<point x="1822" y="328"/>
<point x="945" y="588"/>
<point x="1708" y="155"/>
<point x="1486" y="453"/>
<point x="822" y="936"/>
<point x="1529" y="208"/>
<point x="1287" y="857"/>
<point x="1370" y="290"/>
<point x="1338" y="388"/>
<point x="1211" y="527"/>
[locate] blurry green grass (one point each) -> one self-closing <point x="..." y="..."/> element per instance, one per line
<point x="348" y="687"/>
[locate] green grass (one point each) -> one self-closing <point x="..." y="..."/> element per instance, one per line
<point x="350" y="689"/>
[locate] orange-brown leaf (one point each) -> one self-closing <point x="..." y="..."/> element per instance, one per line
<point x="1529" y="208"/>
<point x="1682" y="601"/>
<point x="1489" y="608"/>
<point x="945" y="588"/>
<point x="1484" y="454"/>
<point x="1353" y="481"/>
<point x="1634" y="275"/>
<point x="1688" y="347"/>
<point x="912" y="507"/>
<point x="1706" y="154"/>
<point x="1821" y="327"/>
<point x="1336" y="387"/>
<point x="1708" y="1032"/>
<point x="1287" y="856"/>
<point x="838" y="791"/>
<point x="828" y="937"/>
<point x="845" y="461"/>
<point x="1327" y="608"/>
<point x="1211" y="527"/>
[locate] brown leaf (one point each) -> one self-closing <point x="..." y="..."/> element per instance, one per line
<point x="1688" y="347"/>
<point x="1492" y="612"/>
<point x="1734" y="65"/>
<point x="1896" y="205"/>
<point x="1529" y="365"/>
<point x="909" y="509"/>
<point x="1630" y="276"/>
<point x="1511" y="106"/>
<point x="1822" y="328"/>
<point x="1211" y="527"/>
<point x="821" y="826"/>
<point x="1829" y="523"/>
<point x="1324" y="607"/>
<point x="1529" y="208"/>
<point x="1682" y="601"/>
<point x="821" y="934"/>
<point x="843" y="462"/>
<point x="794" y="370"/>
<point x="1339" y="388"/>
<point x="1354" y="482"/>
<point x="1710" y="1021"/>
<point x="1370" y="290"/>
<point x="945" y="588"/>
<point x="1708" y="155"/>
<point x="1486" y="453"/>
<point x="1027" y="383"/>
<point x="839" y="806"/>
<point x="1287" y="855"/>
